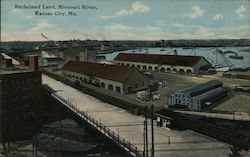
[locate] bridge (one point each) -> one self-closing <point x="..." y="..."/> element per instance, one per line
<point x="127" y="130"/>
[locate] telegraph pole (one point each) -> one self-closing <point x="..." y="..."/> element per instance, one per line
<point x="144" y="141"/>
<point x="152" y="130"/>
<point x="146" y="128"/>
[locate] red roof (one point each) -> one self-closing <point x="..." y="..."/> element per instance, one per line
<point x="159" y="59"/>
<point x="109" y="72"/>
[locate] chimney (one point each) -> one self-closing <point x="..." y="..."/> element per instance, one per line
<point x="33" y="63"/>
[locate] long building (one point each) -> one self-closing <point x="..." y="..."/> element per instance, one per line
<point x="197" y="97"/>
<point x="113" y="77"/>
<point x="163" y="63"/>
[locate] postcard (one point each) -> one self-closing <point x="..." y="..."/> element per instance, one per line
<point x="134" y="78"/>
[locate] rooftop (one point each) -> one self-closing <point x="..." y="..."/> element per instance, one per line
<point x="200" y="87"/>
<point x="53" y="59"/>
<point x="12" y="71"/>
<point x="159" y="59"/>
<point x="210" y="93"/>
<point x="109" y="72"/>
<point x="14" y="61"/>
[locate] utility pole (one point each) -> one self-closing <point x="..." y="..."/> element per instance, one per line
<point x="152" y="130"/>
<point x="144" y="141"/>
<point x="146" y="128"/>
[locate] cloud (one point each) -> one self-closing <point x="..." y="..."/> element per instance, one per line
<point x="137" y="7"/>
<point x="241" y="11"/>
<point x="152" y="28"/>
<point x="218" y="16"/>
<point x="41" y="25"/>
<point x="28" y="17"/>
<point x="16" y="11"/>
<point x="178" y="25"/>
<point x="117" y="28"/>
<point x="197" y="11"/>
<point x="205" y="32"/>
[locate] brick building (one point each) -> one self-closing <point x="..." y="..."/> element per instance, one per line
<point x="24" y="105"/>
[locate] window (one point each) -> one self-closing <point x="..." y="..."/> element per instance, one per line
<point x="118" y="89"/>
<point x="136" y="86"/>
<point x="162" y="70"/>
<point x="142" y="84"/>
<point x="103" y="85"/>
<point x="110" y="87"/>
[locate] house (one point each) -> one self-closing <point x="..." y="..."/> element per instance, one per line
<point x="163" y="63"/>
<point x="113" y="77"/>
<point x="198" y="96"/>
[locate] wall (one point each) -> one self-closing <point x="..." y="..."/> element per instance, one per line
<point x="134" y="80"/>
<point x="88" y="78"/>
<point x="183" y="99"/>
<point x="156" y="67"/>
<point x="25" y="106"/>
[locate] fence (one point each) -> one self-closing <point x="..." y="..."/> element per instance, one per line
<point x="126" y="145"/>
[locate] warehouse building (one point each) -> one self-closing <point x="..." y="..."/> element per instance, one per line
<point x="163" y="63"/>
<point x="24" y="105"/>
<point x="113" y="77"/>
<point x="197" y="97"/>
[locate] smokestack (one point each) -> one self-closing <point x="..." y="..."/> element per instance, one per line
<point x="33" y="63"/>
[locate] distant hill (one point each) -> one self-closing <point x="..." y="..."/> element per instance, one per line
<point x="134" y="43"/>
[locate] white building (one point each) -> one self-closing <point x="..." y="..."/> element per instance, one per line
<point x="53" y="61"/>
<point x="89" y="55"/>
<point x="196" y="97"/>
<point x="163" y="63"/>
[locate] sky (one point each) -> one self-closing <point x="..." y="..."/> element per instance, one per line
<point x="126" y="20"/>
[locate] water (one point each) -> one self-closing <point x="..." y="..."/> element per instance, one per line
<point x="208" y="53"/>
